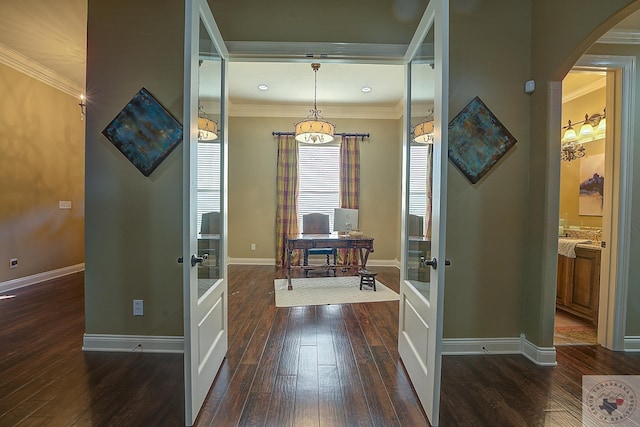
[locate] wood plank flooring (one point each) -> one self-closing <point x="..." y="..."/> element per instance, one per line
<point x="331" y="365"/>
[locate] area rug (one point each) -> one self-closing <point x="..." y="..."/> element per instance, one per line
<point x="329" y="290"/>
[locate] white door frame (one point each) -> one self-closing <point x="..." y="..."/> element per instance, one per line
<point x="614" y="278"/>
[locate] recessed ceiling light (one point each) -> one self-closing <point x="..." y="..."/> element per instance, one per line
<point x="366" y="89"/>
<point x="263" y="87"/>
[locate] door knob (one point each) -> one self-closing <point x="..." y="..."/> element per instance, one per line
<point x="197" y="259"/>
<point x="434" y="262"/>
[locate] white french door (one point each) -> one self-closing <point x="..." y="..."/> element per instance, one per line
<point x="205" y="205"/>
<point x="424" y="207"/>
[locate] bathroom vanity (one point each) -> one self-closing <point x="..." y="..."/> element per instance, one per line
<point x="578" y="285"/>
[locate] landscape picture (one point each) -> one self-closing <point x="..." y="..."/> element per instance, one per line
<point x="590" y="200"/>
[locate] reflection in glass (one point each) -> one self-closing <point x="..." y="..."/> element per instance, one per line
<point x="209" y="166"/>
<point x="420" y="155"/>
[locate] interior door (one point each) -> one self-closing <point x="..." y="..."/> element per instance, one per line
<point x="424" y="197"/>
<point x="205" y="148"/>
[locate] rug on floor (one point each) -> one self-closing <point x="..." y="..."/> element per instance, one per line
<point x="329" y="290"/>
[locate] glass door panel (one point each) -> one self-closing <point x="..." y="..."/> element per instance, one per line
<point x="209" y="205"/>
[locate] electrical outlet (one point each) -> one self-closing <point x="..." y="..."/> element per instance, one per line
<point x="13" y="263"/>
<point x="253" y="246"/>
<point x="138" y="307"/>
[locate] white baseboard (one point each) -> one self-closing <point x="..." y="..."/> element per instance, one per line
<point x="457" y="346"/>
<point x="543" y="356"/>
<point x="133" y="343"/>
<point x="383" y="263"/>
<point x="517" y="345"/>
<point x="632" y="344"/>
<point x="40" y="277"/>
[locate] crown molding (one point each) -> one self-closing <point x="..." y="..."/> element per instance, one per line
<point x="300" y="111"/>
<point x="620" y="37"/>
<point x="342" y="52"/>
<point x="584" y="90"/>
<point x="31" y="68"/>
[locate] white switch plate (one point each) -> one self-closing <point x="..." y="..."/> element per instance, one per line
<point x="138" y="307"/>
<point x="64" y="204"/>
<point x="253" y="246"/>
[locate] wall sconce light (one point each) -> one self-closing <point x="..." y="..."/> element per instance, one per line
<point x="83" y="106"/>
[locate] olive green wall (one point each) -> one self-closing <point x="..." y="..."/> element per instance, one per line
<point x="487" y="221"/>
<point x="575" y="110"/>
<point x="501" y="231"/>
<point x="555" y="48"/>
<point x="633" y="298"/>
<point x="42" y="163"/>
<point x="252" y="184"/>
<point x="133" y="223"/>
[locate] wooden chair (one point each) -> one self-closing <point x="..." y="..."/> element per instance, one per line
<point x="317" y="223"/>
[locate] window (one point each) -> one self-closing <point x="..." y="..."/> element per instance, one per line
<point x="418" y="180"/>
<point x="208" y="179"/>
<point x="318" y="180"/>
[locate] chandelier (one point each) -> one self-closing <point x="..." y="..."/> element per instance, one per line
<point x="207" y="128"/>
<point x="423" y="132"/>
<point x="314" y="129"/>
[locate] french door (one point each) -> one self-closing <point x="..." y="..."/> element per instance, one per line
<point x="424" y="206"/>
<point x="205" y="205"/>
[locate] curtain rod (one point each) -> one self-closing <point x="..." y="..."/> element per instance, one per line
<point x="342" y="135"/>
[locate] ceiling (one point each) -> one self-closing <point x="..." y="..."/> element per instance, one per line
<point x="52" y="35"/>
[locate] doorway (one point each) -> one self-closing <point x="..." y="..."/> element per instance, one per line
<point x="610" y="298"/>
<point x="581" y="205"/>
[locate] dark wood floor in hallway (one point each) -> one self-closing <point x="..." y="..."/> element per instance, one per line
<point x="331" y="365"/>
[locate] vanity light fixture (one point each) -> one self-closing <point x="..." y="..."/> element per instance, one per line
<point x="314" y="129"/>
<point x="572" y="148"/>
<point x="423" y="132"/>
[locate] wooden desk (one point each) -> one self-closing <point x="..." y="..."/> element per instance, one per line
<point x="364" y="245"/>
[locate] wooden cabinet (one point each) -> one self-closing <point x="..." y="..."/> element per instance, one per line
<point x="578" y="286"/>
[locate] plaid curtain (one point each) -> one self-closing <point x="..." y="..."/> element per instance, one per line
<point x="349" y="187"/>
<point x="287" y="197"/>
<point x="429" y="214"/>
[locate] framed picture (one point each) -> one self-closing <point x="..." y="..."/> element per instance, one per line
<point x="144" y="131"/>
<point x="477" y="140"/>
<point x="591" y="185"/>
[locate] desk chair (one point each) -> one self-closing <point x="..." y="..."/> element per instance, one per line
<point x="317" y="223"/>
<point x="209" y="224"/>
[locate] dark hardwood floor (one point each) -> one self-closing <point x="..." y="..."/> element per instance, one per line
<point x="331" y="365"/>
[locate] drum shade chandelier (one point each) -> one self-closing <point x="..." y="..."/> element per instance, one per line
<point x="423" y="132"/>
<point x="207" y="128"/>
<point x="314" y="129"/>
